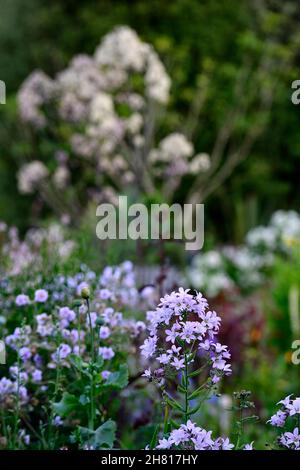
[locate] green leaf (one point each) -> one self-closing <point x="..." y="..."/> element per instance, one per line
<point x="198" y="371"/>
<point x="102" y="438"/>
<point x="166" y="420"/>
<point x="250" y="418"/>
<point x="66" y="405"/>
<point x="154" y="437"/>
<point x="99" y="362"/>
<point x="118" y="379"/>
<point x="174" y="424"/>
<point x="173" y="403"/>
<point x="194" y="410"/>
<point x="84" y="399"/>
<point x="77" y="362"/>
<point x="196" y="393"/>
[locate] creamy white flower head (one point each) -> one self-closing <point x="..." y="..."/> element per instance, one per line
<point x="37" y="89"/>
<point x="61" y="177"/>
<point x="134" y="123"/>
<point x="122" y="52"/>
<point x="31" y="175"/>
<point x="101" y="107"/>
<point x="173" y="148"/>
<point x="81" y="78"/>
<point x="122" y="48"/>
<point x="176" y="145"/>
<point x="158" y="82"/>
<point x="200" y="163"/>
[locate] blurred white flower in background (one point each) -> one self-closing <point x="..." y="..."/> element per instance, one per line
<point x="31" y="175"/>
<point x="103" y="109"/>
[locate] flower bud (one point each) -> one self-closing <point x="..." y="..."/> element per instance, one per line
<point x="85" y="292"/>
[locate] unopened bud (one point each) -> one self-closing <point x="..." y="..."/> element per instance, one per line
<point x="85" y="292"/>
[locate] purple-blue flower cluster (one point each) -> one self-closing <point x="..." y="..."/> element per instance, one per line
<point x="289" y="408"/>
<point x="181" y="326"/>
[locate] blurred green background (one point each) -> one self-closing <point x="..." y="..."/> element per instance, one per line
<point x="195" y="39"/>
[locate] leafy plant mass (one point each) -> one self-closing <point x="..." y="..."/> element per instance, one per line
<point x="71" y="365"/>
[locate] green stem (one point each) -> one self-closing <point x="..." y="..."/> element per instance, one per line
<point x="17" y="411"/>
<point x="4" y="424"/>
<point x="91" y="421"/>
<point x="56" y="387"/>
<point x="166" y="420"/>
<point x="79" y="331"/>
<point x="240" y="430"/>
<point x="186" y="393"/>
<point x="92" y="413"/>
<point x="91" y="331"/>
<point x="37" y="435"/>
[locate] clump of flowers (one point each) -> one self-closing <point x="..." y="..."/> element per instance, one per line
<point x="31" y="176"/>
<point x="28" y="253"/>
<point x="245" y="267"/>
<point x="288" y="412"/>
<point x="182" y="337"/>
<point x="82" y="340"/>
<point x="279" y="235"/>
<point x="181" y="329"/>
